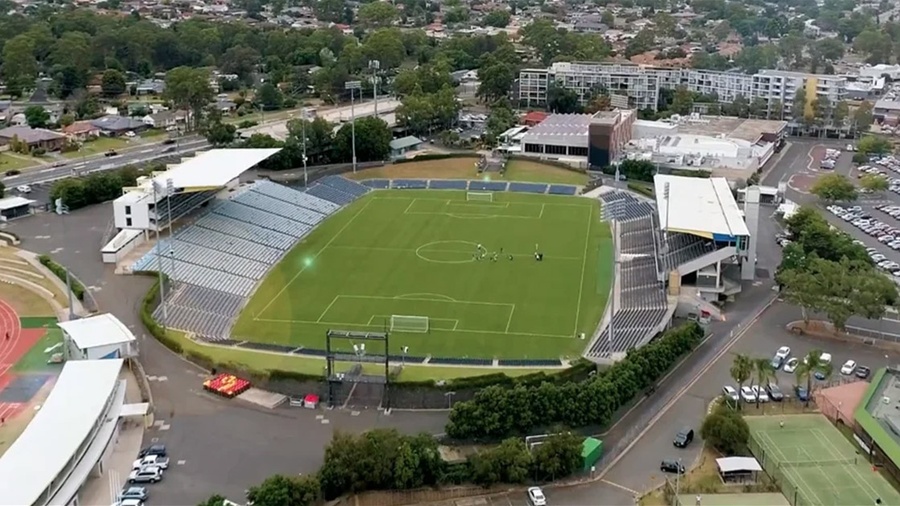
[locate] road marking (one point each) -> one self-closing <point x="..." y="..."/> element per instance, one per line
<point x="665" y="409"/>
<point x="623" y="487"/>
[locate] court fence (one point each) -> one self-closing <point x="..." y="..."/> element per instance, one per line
<point x="775" y="468"/>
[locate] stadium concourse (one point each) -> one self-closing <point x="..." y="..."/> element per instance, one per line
<point x="684" y="254"/>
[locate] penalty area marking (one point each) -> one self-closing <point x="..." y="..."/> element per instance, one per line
<point x="363" y="325"/>
<point x="384" y="317"/>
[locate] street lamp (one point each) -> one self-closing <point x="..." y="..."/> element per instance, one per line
<point x="375" y="65"/>
<point x="353" y="85"/>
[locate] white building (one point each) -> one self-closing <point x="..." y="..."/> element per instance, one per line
<point x="642" y="84"/>
<point x="98" y="337"/>
<point x="70" y="439"/>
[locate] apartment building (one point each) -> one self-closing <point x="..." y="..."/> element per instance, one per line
<point x="641" y="84"/>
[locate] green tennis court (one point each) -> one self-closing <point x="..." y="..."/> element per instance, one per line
<point x="814" y="464"/>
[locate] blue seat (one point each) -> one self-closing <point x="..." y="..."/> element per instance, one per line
<point x="461" y="361"/>
<point x="562" y="189"/>
<point x="448" y="184"/>
<point x="331" y="194"/>
<point x="345" y="185"/>
<point x="491" y="186"/>
<point x="527" y="362"/>
<point x="528" y="187"/>
<point x="381" y="184"/>
<point x="411" y="184"/>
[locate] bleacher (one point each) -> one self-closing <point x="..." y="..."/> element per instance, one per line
<point x="448" y="184"/>
<point x="217" y="261"/>
<point x="379" y="184"/>
<point x="641" y="307"/>
<point x="409" y="184"/>
<point x="562" y="189"/>
<point x="682" y="248"/>
<point x="528" y="187"/>
<point x="490" y="186"/>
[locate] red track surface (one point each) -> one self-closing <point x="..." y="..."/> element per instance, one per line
<point x="11" y="350"/>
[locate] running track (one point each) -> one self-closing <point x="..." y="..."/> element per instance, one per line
<point x="11" y="351"/>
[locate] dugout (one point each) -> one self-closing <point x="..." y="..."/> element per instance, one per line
<point x="738" y="470"/>
<point x="15" y="207"/>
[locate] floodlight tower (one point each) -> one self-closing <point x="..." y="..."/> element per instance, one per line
<point x="353" y="85"/>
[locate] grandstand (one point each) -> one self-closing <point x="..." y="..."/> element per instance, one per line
<point x="217" y="259"/>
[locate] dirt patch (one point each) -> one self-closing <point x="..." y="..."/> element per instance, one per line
<point x="24" y="301"/>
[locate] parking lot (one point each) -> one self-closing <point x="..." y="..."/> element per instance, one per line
<point x="885" y="231"/>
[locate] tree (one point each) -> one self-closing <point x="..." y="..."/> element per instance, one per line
<point x="776" y="110"/>
<point x="683" y="101"/>
<point x="377" y="14"/>
<point x="811" y="364"/>
<point x="800" y="287"/>
<point x="281" y="490"/>
<point x="741" y="369"/>
<point x="798" y="107"/>
<point x="214" y="500"/>
<point x="557" y="457"/>
<point x="221" y="134"/>
<point x="497" y="18"/>
<point x="641" y="43"/>
<point x="834" y="188"/>
<point x="758" y="108"/>
<point x="726" y="430"/>
<point x="509" y="462"/>
<point x="385" y="45"/>
<point x="562" y="100"/>
<point x="791" y="48"/>
<point x="496" y="82"/>
<point x="874" y="145"/>
<point x="19" y="66"/>
<point x="876" y="44"/>
<point x="840" y="113"/>
<point x="241" y="61"/>
<point x="501" y="119"/>
<point x="863" y="116"/>
<point x="36" y="116"/>
<point x="269" y="97"/>
<point x="873" y="183"/>
<point x="373" y="138"/>
<point x="763" y="373"/>
<point x="608" y="18"/>
<point x="189" y="89"/>
<point x="113" y="83"/>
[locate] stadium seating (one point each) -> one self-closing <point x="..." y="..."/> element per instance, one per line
<point x="562" y="189"/>
<point x="280" y="207"/>
<point x="212" y="322"/>
<point x="461" y="361"/>
<point x="331" y="194"/>
<point x="230" y="244"/>
<point x="345" y="185"/>
<point x="409" y="184"/>
<point x="298" y="198"/>
<point x="245" y="230"/>
<point x="682" y="248"/>
<point x="381" y="184"/>
<point x="524" y="362"/>
<point x="491" y="186"/>
<point x="264" y="219"/>
<point x="528" y="187"/>
<point x="448" y="184"/>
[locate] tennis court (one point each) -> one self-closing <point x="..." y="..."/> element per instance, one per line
<point x="814" y="464"/>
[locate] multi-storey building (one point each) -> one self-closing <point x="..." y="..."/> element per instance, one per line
<point x="641" y="84"/>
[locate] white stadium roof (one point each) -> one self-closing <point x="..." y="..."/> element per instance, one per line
<point x="100" y="330"/>
<point x="214" y="168"/>
<point x="36" y="459"/>
<point x="699" y="206"/>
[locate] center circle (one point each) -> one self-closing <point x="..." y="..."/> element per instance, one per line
<point x="448" y="252"/>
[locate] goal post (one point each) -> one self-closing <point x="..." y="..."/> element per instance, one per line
<point x="480" y="196"/>
<point x="413" y="324"/>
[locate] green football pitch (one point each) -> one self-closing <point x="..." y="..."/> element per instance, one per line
<point x="414" y="253"/>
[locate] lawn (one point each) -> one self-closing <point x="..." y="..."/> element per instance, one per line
<point x="413" y="253"/>
<point x="19" y="162"/>
<point x="97" y="146"/>
<point x="35" y="361"/>
<point x="464" y="168"/>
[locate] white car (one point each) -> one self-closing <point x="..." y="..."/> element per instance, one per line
<point x="825" y="358"/>
<point x="848" y="368"/>
<point x="747" y="394"/>
<point x="783" y="352"/>
<point x="131" y="502"/>
<point x="23" y="189"/>
<point x="760" y="393"/>
<point x="730" y="393"/>
<point x="791" y="365"/>
<point x="536" y="497"/>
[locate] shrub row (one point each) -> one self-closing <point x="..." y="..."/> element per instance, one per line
<point x="642" y="189"/>
<point x="497" y="412"/>
<point x="60" y="272"/>
<point x="703" y="174"/>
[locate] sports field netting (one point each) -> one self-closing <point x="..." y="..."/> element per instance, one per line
<point x="466" y="271"/>
<point x="814" y="464"/>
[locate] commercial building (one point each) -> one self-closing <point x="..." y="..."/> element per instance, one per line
<point x="98" y="337"/>
<point x="640" y="85"/>
<point x="71" y="437"/>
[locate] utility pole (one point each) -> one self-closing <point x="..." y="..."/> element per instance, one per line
<point x="375" y="65"/>
<point x="353" y="85"/>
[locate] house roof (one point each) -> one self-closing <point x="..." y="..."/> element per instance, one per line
<point x="699" y="206"/>
<point x="113" y="123"/>
<point x="405" y="142"/>
<point x="80" y="127"/>
<point x="29" y="135"/>
<point x="58" y="430"/>
<point x="99" y="330"/>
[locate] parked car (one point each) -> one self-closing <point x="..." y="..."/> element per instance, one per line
<point x="760" y="393"/>
<point x="801" y="392"/>
<point x="730" y="393"/>
<point x="23" y="188"/>
<point x="157" y="449"/>
<point x="111" y="152"/>
<point x="791" y="364"/>
<point x="683" y="438"/>
<point x="671" y="466"/>
<point x="774" y="392"/>
<point x="151" y="474"/>
<point x="776" y="362"/>
<point x="862" y="372"/>
<point x="131" y="502"/>
<point x="747" y="394"/>
<point x="848" y="368"/>
<point x="135" y="493"/>
<point x="151" y="460"/>
<point x="784" y="352"/>
<point x="536" y="497"/>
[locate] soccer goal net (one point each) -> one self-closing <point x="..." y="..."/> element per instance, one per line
<point x="401" y="323"/>
<point x="480" y="196"/>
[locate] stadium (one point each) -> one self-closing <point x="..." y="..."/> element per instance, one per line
<point x="461" y="272"/>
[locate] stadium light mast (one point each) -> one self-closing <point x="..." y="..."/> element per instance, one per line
<point x="159" y="264"/>
<point x="666" y="196"/>
<point x="303" y="127"/>
<point x="353" y="85"/>
<point x="375" y="65"/>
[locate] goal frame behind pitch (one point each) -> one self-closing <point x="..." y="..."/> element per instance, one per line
<point x="424" y="328"/>
<point x="476" y="196"/>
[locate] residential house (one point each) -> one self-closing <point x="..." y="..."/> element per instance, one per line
<point x="35" y="138"/>
<point x="150" y="87"/>
<point x="399" y="147"/>
<point x="81" y="131"/>
<point x="5" y="111"/>
<point x="165" y="119"/>
<point x="225" y="106"/>
<point x="114" y="126"/>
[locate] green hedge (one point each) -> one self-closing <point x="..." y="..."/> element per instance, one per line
<point x="60" y="272"/>
<point x="434" y="156"/>
<point x="703" y="174"/>
<point x="642" y="189"/>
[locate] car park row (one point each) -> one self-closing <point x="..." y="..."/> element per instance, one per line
<point x="150" y="467"/>
<point x="881" y="231"/>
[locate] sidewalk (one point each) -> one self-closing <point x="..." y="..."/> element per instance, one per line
<point x="98" y="490"/>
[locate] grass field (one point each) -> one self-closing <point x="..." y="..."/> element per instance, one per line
<point x="35" y="361"/>
<point x="464" y="168"/>
<point x="413" y="253"/>
<point x="97" y="146"/>
<point x="19" y="162"/>
<point x="816" y="465"/>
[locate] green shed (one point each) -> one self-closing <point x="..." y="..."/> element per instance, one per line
<point x="591" y="450"/>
